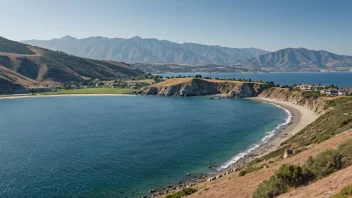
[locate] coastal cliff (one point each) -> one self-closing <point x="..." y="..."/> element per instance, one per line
<point x="199" y="87"/>
<point x="301" y="98"/>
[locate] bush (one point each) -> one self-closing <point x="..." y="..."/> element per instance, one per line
<point x="181" y="193"/>
<point x="270" y="188"/>
<point x="247" y="170"/>
<point x="291" y="175"/>
<point x="346" y="151"/>
<point x="286" y="176"/>
<point x="242" y="173"/>
<point x="325" y="163"/>
<point x="344" y="193"/>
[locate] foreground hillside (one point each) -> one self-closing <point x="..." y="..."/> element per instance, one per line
<point x="141" y="50"/>
<point x="234" y="185"/>
<point x="22" y="66"/>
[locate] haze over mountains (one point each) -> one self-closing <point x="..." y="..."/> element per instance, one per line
<point x="139" y="50"/>
<point x="153" y="51"/>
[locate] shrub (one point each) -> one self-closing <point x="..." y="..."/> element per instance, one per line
<point x="247" y="170"/>
<point x="344" y="193"/>
<point x="242" y="173"/>
<point x="325" y="163"/>
<point x="291" y="175"/>
<point x="270" y="188"/>
<point x="181" y="193"/>
<point x="286" y="176"/>
<point x="346" y="151"/>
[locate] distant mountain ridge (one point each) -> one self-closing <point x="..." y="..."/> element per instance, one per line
<point x="139" y="50"/>
<point x="159" y="52"/>
<point x="300" y="58"/>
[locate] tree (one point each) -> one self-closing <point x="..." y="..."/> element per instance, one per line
<point x="67" y="86"/>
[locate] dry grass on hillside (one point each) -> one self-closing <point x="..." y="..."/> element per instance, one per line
<point x="234" y="186"/>
<point x="173" y="81"/>
<point x="12" y="76"/>
<point x="176" y="81"/>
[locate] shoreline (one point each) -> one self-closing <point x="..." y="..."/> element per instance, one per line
<point x="56" y="95"/>
<point x="299" y="116"/>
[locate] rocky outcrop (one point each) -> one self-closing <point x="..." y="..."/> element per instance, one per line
<point x="199" y="87"/>
<point x="296" y="97"/>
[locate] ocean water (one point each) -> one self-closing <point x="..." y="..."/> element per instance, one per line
<point x="122" y="146"/>
<point x="342" y="79"/>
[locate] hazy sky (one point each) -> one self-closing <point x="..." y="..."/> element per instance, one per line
<point x="265" y="24"/>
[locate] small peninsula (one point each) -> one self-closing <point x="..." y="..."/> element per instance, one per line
<point x="190" y="86"/>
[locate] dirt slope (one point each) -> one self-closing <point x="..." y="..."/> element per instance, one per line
<point x="234" y="186"/>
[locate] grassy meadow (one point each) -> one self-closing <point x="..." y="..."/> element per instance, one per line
<point x="92" y="91"/>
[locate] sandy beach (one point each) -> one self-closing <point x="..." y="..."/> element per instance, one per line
<point x="300" y="118"/>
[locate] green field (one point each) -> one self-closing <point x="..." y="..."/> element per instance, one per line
<point x="92" y="91"/>
<point x="143" y="80"/>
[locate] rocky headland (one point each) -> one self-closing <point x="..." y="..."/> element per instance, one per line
<point x="200" y="87"/>
<point x="301" y="98"/>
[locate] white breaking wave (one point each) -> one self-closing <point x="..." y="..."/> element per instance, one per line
<point x="264" y="140"/>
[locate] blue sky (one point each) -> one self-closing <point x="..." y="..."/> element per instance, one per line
<point x="265" y="24"/>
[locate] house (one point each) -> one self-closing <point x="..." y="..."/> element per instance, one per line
<point x="341" y="92"/>
<point x="323" y="91"/>
<point x="310" y="87"/>
<point x="332" y="92"/>
<point x="305" y="86"/>
<point x="348" y="91"/>
<point x="73" y="86"/>
<point x="317" y="87"/>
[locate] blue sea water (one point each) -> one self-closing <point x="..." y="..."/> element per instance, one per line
<point x="121" y="146"/>
<point x="342" y="79"/>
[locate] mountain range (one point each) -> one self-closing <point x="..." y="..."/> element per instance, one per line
<point x="139" y="50"/>
<point x="23" y="66"/>
<point x="158" y="52"/>
<point x="300" y="59"/>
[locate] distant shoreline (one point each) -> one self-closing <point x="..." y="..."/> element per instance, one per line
<point x="58" y="95"/>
